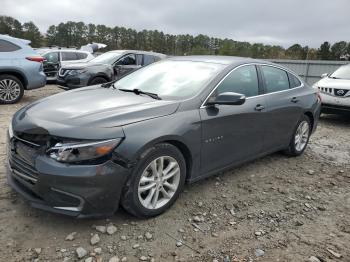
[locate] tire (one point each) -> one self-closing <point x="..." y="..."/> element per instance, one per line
<point x="97" y="81"/>
<point x="11" y="89"/>
<point x="135" y="202"/>
<point x="296" y="148"/>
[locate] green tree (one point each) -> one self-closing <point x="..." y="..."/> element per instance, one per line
<point x="32" y="33"/>
<point x="338" y="49"/>
<point x="324" y="52"/>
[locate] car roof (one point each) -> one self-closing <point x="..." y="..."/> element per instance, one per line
<point x="46" y="50"/>
<point x="18" y="41"/>
<point x="138" y="52"/>
<point x="216" y="59"/>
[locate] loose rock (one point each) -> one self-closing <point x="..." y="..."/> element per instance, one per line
<point x="179" y="244"/>
<point x="114" y="259"/>
<point x="148" y="236"/>
<point x="111" y="229"/>
<point x="95" y="239"/>
<point x="335" y="254"/>
<point x="81" y="252"/>
<point x="259" y="252"/>
<point x="313" y="259"/>
<point x="143" y="258"/>
<point x="101" y="229"/>
<point x="71" y="236"/>
<point x="89" y="259"/>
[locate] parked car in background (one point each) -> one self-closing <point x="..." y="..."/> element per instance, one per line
<point x="57" y="57"/>
<point x="105" y="68"/>
<point x="20" y="69"/>
<point x="335" y="90"/>
<point x="137" y="141"/>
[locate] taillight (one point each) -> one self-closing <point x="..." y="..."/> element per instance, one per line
<point x="38" y="59"/>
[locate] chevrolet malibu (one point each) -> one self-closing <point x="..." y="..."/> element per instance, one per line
<point x="137" y="141"/>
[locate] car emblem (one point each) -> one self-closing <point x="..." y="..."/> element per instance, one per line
<point x="340" y="92"/>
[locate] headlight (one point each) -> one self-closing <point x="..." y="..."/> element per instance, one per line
<point x="76" y="72"/>
<point x="76" y="152"/>
<point x="10" y="130"/>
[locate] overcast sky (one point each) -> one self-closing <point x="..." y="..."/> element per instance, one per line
<point x="283" y="22"/>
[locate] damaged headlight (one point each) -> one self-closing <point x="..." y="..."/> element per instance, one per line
<point x="76" y="152"/>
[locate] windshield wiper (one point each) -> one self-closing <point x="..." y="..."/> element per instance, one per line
<point x="109" y="84"/>
<point x="140" y="92"/>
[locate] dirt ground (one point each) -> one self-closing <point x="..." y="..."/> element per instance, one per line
<point x="273" y="209"/>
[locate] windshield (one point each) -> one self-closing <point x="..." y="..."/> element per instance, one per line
<point x="172" y="79"/>
<point x="342" y="72"/>
<point x="107" y="58"/>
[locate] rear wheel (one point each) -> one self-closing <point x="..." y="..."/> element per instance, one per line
<point x="157" y="181"/>
<point x="300" y="137"/>
<point x="11" y="89"/>
<point x="97" y="81"/>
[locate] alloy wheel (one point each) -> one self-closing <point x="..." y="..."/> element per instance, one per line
<point x="301" y="135"/>
<point x="9" y="90"/>
<point x="159" y="182"/>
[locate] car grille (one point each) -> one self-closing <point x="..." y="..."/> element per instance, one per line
<point x="22" y="169"/>
<point x="341" y="92"/>
<point x="326" y="90"/>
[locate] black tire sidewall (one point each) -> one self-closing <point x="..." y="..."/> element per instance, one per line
<point x="130" y="200"/>
<point x="292" y="148"/>
<point x="13" y="78"/>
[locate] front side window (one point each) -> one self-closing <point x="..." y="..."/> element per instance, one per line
<point x="127" y="60"/>
<point x="148" y="59"/>
<point x="243" y="80"/>
<point x="69" y="56"/>
<point x="275" y="79"/>
<point x="139" y="59"/>
<point x="82" y="56"/>
<point x="51" y="57"/>
<point x="171" y="79"/>
<point x="107" y="58"/>
<point x="6" y="46"/>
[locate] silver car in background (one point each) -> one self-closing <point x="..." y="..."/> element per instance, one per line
<point x="21" y="69"/>
<point x="335" y="90"/>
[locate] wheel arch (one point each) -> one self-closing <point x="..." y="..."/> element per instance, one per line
<point x="311" y="117"/>
<point x="17" y="74"/>
<point x="178" y="143"/>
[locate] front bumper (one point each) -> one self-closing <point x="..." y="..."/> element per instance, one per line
<point x="331" y="103"/>
<point x="71" y="82"/>
<point x="74" y="190"/>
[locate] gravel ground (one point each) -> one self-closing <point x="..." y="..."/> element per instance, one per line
<point x="273" y="209"/>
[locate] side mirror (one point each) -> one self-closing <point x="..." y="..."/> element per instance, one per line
<point x="324" y="75"/>
<point x="227" y="98"/>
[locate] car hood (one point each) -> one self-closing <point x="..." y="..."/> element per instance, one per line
<point x="92" y="112"/>
<point x="82" y="65"/>
<point x="334" y="83"/>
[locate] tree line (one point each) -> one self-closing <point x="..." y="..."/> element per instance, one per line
<point x="79" y="33"/>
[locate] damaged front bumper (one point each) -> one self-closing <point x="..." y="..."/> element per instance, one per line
<point x="74" y="190"/>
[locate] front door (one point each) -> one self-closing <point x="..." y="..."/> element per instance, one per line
<point x="233" y="133"/>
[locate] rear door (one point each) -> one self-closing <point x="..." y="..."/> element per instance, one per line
<point x="233" y="133"/>
<point x="283" y="106"/>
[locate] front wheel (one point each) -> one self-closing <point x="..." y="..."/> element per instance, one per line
<point x="300" y="137"/>
<point x="157" y="181"/>
<point x="11" y="89"/>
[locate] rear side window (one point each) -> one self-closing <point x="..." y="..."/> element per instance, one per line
<point x="148" y="59"/>
<point x="6" y="46"/>
<point x="69" y="56"/>
<point x="81" y="55"/>
<point x="294" y="81"/>
<point x="139" y="59"/>
<point x="275" y="79"/>
<point x="243" y="80"/>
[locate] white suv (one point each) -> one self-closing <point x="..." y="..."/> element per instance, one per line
<point x="55" y="58"/>
<point x="335" y="90"/>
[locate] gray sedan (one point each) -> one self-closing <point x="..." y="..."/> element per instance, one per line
<point x="138" y="140"/>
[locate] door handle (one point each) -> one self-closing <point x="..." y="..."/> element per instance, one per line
<point x="294" y="100"/>
<point x="259" y="108"/>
